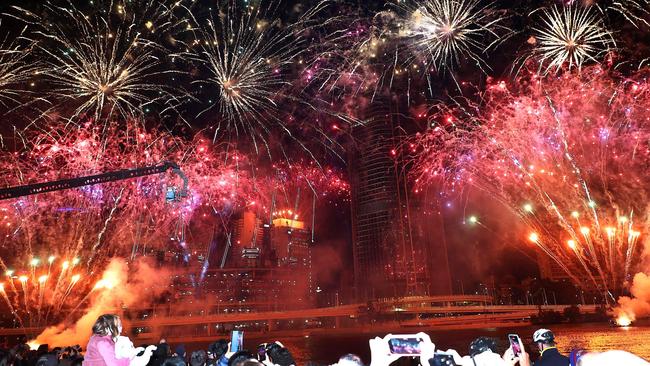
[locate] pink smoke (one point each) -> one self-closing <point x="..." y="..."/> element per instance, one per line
<point x="121" y="285"/>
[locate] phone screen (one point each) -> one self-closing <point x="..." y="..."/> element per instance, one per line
<point x="515" y="343"/>
<point x="236" y="341"/>
<point x="405" y="346"/>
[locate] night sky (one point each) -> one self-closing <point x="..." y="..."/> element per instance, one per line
<point x="477" y="254"/>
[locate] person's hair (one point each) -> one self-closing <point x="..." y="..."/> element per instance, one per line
<point x="162" y="351"/>
<point x="280" y="355"/>
<point x="107" y="325"/>
<point x="198" y="358"/>
<point x="239" y="358"/>
<point x="174" y="361"/>
<point x="351" y="359"/>
<point x="218" y="348"/>
<point x="482" y="344"/>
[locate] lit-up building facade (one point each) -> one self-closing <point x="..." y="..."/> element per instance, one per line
<point x="260" y="266"/>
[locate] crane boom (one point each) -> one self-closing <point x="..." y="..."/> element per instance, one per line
<point x="59" y="185"/>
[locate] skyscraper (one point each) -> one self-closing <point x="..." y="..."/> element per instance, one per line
<point x="394" y="242"/>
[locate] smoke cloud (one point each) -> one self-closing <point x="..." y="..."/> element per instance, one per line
<point x="637" y="306"/>
<point x="120" y="285"/>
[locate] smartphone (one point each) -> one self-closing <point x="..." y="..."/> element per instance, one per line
<point x="515" y="343"/>
<point x="405" y="346"/>
<point x="236" y="341"/>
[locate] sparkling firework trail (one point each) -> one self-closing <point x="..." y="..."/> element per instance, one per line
<point x="632" y="10"/>
<point x="15" y="70"/>
<point x="568" y="156"/>
<point x="569" y="37"/>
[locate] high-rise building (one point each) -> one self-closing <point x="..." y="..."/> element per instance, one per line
<point x="246" y="241"/>
<point x="396" y="248"/>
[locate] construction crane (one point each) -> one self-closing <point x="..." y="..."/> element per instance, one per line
<point x="173" y="194"/>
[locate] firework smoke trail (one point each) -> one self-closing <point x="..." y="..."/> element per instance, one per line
<point x="105" y="62"/>
<point x="116" y="202"/>
<point x="568" y="156"/>
<point x="569" y="37"/>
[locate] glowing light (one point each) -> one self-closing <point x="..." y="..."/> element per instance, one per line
<point x="534" y="237"/>
<point x="528" y="207"/>
<point x="22" y="279"/>
<point x="623" y="320"/>
<point x="584" y="230"/>
<point x="473" y="219"/>
<point x="65" y="265"/>
<point x="42" y="279"/>
<point x="9" y="273"/>
<point x="75" y="261"/>
<point x="610" y="231"/>
<point x="575" y="214"/>
<point x="33" y="345"/>
<point x="75" y="278"/>
<point x="51" y="259"/>
<point x="571" y="244"/>
<point x="34" y="262"/>
<point x="105" y="283"/>
<point x="622" y="219"/>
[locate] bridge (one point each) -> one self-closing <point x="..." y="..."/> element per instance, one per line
<point x="430" y="311"/>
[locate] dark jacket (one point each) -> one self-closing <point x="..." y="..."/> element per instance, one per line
<point x="551" y="357"/>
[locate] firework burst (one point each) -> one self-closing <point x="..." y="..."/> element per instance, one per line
<point x="567" y="156"/>
<point x="447" y="32"/>
<point x="249" y="55"/>
<point x="104" y="62"/>
<point x="569" y="37"/>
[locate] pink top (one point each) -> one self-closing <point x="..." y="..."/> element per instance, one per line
<point x="101" y="352"/>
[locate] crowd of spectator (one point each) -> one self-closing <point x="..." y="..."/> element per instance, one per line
<point x="107" y="347"/>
